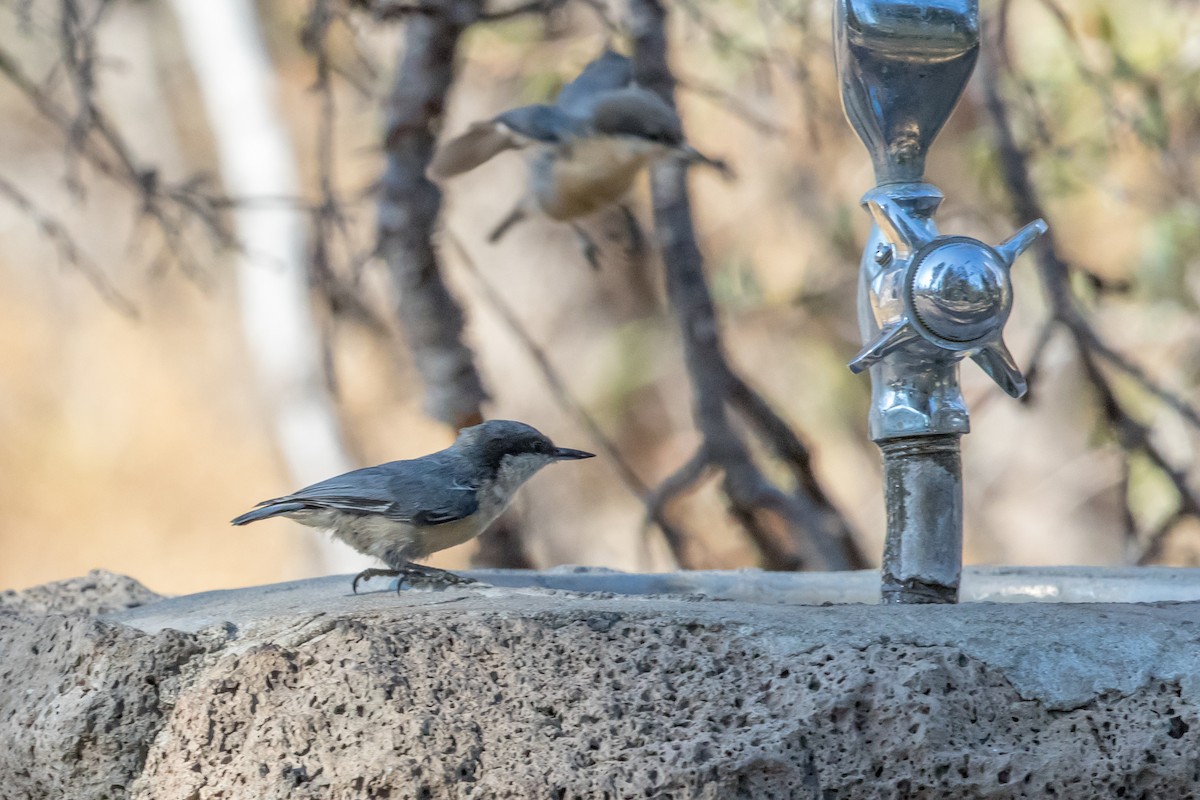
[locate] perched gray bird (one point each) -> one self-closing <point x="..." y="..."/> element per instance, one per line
<point x="406" y="510"/>
<point x="589" y="147"/>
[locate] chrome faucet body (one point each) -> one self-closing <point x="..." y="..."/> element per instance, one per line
<point x="925" y="301"/>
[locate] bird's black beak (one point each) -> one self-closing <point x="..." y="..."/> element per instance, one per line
<point x="567" y="454"/>
<point x="690" y="155"/>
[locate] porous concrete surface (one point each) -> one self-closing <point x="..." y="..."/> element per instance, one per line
<point x="304" y="691"/>
<point x="98" y="592"/>
<point x="81" y="699"/>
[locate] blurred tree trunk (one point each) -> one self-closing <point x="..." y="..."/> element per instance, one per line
<point x="231" y="66"/>
<point x="409" y="206"/>
<point x="408" y="212"/>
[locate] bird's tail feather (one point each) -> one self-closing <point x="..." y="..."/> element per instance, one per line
<point x="270" y="508"/>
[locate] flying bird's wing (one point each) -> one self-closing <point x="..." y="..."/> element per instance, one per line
<point x="513" y="129"/>
<point x="546" y="124"/>
<point x="467" y="151"/>
<point x="608" y="72"/>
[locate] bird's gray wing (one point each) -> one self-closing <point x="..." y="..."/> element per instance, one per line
<point x="429" y="494"/>
<point x="519" y="127"/>
<point x="606" y="73"/>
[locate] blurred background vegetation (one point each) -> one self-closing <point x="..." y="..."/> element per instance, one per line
<point x="132" y="427"/>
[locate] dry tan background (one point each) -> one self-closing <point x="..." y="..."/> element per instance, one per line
<point x="128" y="443"/>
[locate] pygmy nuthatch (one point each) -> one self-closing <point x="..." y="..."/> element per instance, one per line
<point x="589" y="146"/>
<point x="406" y="510"/>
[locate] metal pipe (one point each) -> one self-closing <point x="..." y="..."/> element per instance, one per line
<point x="922" y="484"/>
<point x="925" y="301"/>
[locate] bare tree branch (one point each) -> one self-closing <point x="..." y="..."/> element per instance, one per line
<point x="78" y="46"/>
<point x="684" y="479"/>
<point x="68" y="251"/>
<point x="1033" y="373"/>
<point x="93" y="138"/>
<point x="809" y="532"/>
<point x="732" y="104"/>
<point x="329" y="215"/>
<point x="1152" y="550"/>
<point x="816" y="507"/>
<point x="1132" y="435"/>
<point x="1122" y="363"/>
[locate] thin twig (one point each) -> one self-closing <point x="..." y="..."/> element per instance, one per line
<point x="731" y="104"/>
<point x="1132" y="435"/>
<point x="681" y="480"/>
<point x="100" y="144"/>
<point x="1122" y="363"/>
<point x="329" y="214"/>
<point x="558" y="388"/>
<point x="1033" y="372"/>
<point x="1135" y="436"/>
<point x="1152" y="547"/>
<point x="684" y="479"/>
<point x="795" y="455"/>
<point x="68" y="251"/>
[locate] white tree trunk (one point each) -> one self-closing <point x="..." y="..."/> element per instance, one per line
<point x="231" y="66"/>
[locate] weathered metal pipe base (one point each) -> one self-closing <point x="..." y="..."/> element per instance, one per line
<point x="922" y="557"/>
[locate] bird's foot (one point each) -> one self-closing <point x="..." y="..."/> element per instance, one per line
<point x="633" y="229"/>
<point x="590" y="251"/>
<point x="367" y="574"/>
<point x="414" y="574"/>
<point x="517" y="214"/>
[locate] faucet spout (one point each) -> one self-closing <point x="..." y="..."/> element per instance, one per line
<point x="903" y="66"/>
<point x="925" y="301"/>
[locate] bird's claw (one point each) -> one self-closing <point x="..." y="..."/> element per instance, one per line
<point x="633" y="229"/>
<point x="432" y="576"/>
<point x="590" y="251"/>
<point x="413" y="574"/>
<point x="367" y="574"/>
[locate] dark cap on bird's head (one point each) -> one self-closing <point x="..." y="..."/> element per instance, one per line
<point x="491" y="441"/>
<point x="637" y="112"/>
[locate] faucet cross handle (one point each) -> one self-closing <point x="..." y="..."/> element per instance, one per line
<point x="956" y="292"/>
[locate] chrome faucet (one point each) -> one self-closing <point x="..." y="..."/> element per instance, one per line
<point x="925" y="301"/>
